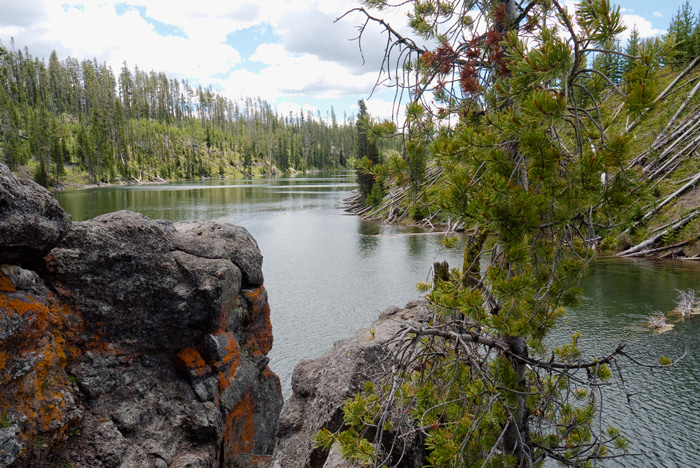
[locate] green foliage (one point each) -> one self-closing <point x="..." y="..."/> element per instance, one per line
<point x="5" y="421"/>
<point x="376" y="195"/>
<point x="370" y="170"/>
<point x="449" y="242"/>
<point x="535" y="169"/>
<point x="359" y="414"/>
<point x="632" y="49"/>
<point x="642" y="79"/>
<point x="665" y="361"/>
<point x="684" y="31"/>
<point x="419" y="130"/>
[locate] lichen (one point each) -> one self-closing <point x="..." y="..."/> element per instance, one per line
<point x="189" y="360"/>
<point x="239" y="434"/>
<point x="34" y="386"/>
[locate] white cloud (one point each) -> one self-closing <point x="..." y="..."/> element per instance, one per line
<point x="296" y="76"/>
<point x="658" y="14"/>
<point x="269" y="54"/>
<point x="384" y="109"/>
<point x="644" y="26"/>
<point x="10" y="31"/>
<point x="23" y="14"/>
<point x="284" y="108"/>
<point x="305" y="53"/>
<point x="96" y="30"/>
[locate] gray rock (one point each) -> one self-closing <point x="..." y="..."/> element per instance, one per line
<point x="127" y="417"/>
<point x="217" y="280"/>
<point x="206" y="389"/>
<point x="320" y="386"/>
<point x="211" y="240"/>
<point x="139" y="340"/>
<point x="214" y="347"/>
<point x="10" y="446"/>
<point x="21" y="279"/>
<point x="335" y="459"/>
<point x="31" y="220"/>
<point x="97" y="374"/>
<point x="134" y="274"/>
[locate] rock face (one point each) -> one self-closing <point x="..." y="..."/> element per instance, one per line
<point x="129" y="342"/>
<point x="31" y="220"/>
<point x="320" y="386"/>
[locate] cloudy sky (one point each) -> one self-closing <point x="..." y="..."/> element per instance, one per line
<point x="289" y="52"/>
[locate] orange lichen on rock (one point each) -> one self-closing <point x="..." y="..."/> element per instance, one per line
<point x="229" y="364"/>
<point x="259" y="328"/>
<point x="33" y="313"/>
<point x="233" y="352"/>
<point x="239" y="434"/>
<point x="34" y="386"/>
<point x="189" y="360"/>
<point x="6" y="284"/>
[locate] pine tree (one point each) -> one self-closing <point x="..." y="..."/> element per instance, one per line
<point x="522" y="170"/>
<point x="631" y="50"/>
<point x="681" y="29"/>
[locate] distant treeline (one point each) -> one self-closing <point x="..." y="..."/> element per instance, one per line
<point x="141" y="125"/>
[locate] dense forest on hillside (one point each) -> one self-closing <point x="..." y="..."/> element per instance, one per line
<point x="77" y="115"/>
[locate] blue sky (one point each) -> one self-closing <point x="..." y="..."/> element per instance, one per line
<point x="289" y="52"/>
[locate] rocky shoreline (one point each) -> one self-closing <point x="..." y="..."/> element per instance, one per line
<point x="320" y="386"/>
<point x="131" y="342"/>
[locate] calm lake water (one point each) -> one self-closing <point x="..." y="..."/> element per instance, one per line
<point x="328" y="274"/>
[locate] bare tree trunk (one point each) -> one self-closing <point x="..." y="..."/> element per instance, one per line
<point x="680" y="109"/>
<point x="675" y="194"/>
<point x="652" y="240"/>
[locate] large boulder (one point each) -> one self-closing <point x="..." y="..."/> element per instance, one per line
<point x="31" y="220"/>
<point x="135" y="343"/>
<point x="321" y="386"/>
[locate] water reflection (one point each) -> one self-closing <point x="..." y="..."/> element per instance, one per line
<point x="416" y="245"/>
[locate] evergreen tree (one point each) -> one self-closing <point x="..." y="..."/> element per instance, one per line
<point x="522" y="170"/>
<point x="681" y="30"/>
<point x="631" y="50"/>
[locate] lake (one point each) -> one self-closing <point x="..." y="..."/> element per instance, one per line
<point x="328" y="273"/>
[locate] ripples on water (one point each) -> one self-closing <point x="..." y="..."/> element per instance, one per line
<point x="329" y="274"/>
<point x="663" y="420"/>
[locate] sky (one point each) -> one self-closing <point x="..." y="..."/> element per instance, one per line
<point x="292" y="53"/>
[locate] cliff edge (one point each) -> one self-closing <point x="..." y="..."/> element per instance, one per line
<point x="130" y="342"/>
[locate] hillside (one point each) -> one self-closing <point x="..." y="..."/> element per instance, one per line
<point x="666" y="148"/>
<point x="75" y="122"/>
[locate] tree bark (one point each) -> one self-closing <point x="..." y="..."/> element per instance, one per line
<point x="516" y="438"/>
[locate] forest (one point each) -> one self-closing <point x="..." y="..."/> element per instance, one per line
<point x="74" y="119"/>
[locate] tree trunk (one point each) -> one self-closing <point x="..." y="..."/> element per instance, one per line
<point x="516" y="437"/>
